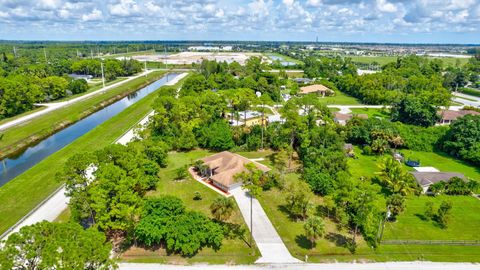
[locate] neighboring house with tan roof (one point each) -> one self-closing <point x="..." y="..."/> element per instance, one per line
<point x="225" y="165"/>
<point x="448" y="116"/>
<point x="320" y="89"/>
<point x="342" y="118"/>
<point x="426" y="179"/>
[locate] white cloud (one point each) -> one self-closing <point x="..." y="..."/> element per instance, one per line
<point x="314" y="3"/>
<point x="124" y="8"/>
<point x="385" y="6"/>
<point x="92" y="16"/>
<point x="288" y="3"/>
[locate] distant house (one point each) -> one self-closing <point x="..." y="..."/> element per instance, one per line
<point x="224" y="166"/>
<point x="426" y="179"/>
<point x="247" y="118"/>
<point x="342" y="118"/>
<point x="319" y="89"/>
<point x="448" y="116"/>
<point x="80" y="76"/>
<point x="302" y="80"/>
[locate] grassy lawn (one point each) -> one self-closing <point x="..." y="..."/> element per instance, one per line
<point x="411" y="225"/>
<point x="20" y="136"/>
<point x="339" y="98"/>
<point x="443" y="162"/>
<point x="372" y="112"/>
<point x="233" y="251"/>
<point x="27" y="190"/>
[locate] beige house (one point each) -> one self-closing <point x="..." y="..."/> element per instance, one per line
<point x="448" y="116"/>
<point x="319" y="89"/>
<point x="224" y="166"/>
<point x="342" y="118"/>
<point x="426" y="179"/>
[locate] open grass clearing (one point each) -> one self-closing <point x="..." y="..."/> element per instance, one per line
<point x="372" y="112"/>
<point x="19" y="136"/>
<point x="232" y="251"/>
<point x="412" y="225"/>
<point x="339" y="98"/>
<point x="24" y="192"/>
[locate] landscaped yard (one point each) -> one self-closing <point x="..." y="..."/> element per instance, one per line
<point x="233" y="251"/>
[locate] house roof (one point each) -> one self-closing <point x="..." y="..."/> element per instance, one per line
<point x="226" y="165"/>
<point x="341" y="116"/>
<point x="429" y="178"/>
<point x="449" y="115"/>
<point x="314" y="88"/>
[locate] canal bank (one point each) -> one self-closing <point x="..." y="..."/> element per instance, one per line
<point x="27" y="190"/>
<point x="11" y="167"/>
<point x="19" y="138"/>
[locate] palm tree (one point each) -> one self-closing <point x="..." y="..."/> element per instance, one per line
<point x="222" y="208"/>
<point x="314" y="228"/>
<point x="395" y="177"/>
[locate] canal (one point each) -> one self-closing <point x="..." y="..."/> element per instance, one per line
<point x="12" y="167"/>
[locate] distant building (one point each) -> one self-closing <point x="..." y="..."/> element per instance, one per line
<point x="80" y="76"/>
<point x="319" y="89"/>
<point x="342" y="118"/>
<point x="247" y="118"/>
<point x="224" y="166"/>
<point x="426" y="179"/>
<point x="448" y="116"/>
<point x="302" y="80"/>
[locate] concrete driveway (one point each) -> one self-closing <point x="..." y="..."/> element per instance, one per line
<point x="268" y="241"/>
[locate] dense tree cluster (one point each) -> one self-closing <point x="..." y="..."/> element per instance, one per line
<point x="463" y="139"/>
<point x="106" y="187"/>
<point x="328" y="67"/>
<point x="165" y="221"/>
<point x="27" y="80"/>
<point x="411" y="82"/>
<point x="47" y="245"/>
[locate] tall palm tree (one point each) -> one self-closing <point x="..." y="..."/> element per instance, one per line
<point x="222" y="208"/>
<point x="395" y="177"/>
<point x="314" y="228"/>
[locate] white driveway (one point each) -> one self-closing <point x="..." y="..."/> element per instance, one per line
<point x="57" y="105"/>
<point x="268" y="241"/>
<point x="346" y="109"/>
<point x="309" y="266"/>
<point x="466" y="99"/>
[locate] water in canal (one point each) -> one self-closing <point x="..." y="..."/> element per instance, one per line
<point x="11" y="167"/>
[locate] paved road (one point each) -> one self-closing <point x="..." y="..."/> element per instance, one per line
<point x="309" y="266"/>
<point x="268" y="241"/>
<point x="57" y="105"/>
<point x="58" y="202"/>
<point x="466" y="99"/>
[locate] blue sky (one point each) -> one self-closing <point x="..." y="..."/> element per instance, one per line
<point x="415" y="21"/>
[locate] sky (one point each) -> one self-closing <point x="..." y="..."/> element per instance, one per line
<point x="383" y="21"/>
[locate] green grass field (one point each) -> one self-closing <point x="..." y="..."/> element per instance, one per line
<point x="382" y="60"/>
<point x="411" y="225"/>
<point x="372" y="112"/>
<point x="339" y="98"/>
<point x="233" y="251"/>
<point x="284" y="58"/>
<point x="20" y="136"/>
<point x="27" y="190"/>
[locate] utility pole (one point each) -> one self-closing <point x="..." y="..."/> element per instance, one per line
<point x="165" y="56"/>
<point x="14" y="51"/>
<point x="103" y="75"/>
<point x="145" y="62"/>
<point x="91" y="53"/>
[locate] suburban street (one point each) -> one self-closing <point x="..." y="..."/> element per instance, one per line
<point x="466" y="99"/>
<point x="308" y="266"/>
<point x="57" y="105"/>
